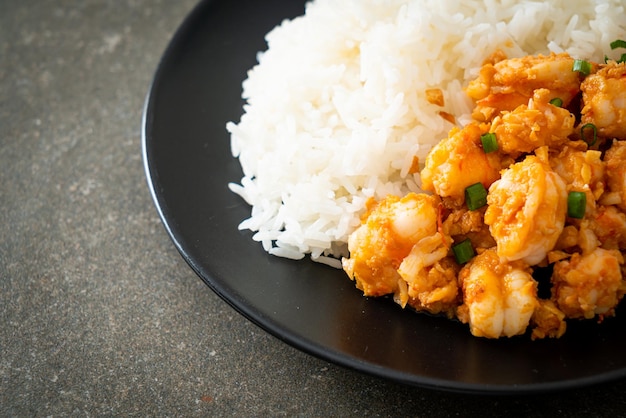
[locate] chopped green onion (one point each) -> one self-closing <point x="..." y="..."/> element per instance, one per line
<point x="618" y="43"/>
<point x="621" y="59"/>
<point x="475" y="196"/>
<point x="576" y="204"/>
<point x="556" y="102"/>
<point x="582" y="66"/>
<point x="490" y="143"/>
<point x="589" y="127"/>
<point x="463" y="251"/>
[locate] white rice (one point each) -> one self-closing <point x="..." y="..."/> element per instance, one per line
<point x="336" y="107"/>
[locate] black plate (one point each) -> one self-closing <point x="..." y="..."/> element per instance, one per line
<point x="196" y="90"/>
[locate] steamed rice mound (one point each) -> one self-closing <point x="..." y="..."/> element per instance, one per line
<point x="337" y="112"/>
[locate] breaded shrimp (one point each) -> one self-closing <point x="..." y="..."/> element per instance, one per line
<point x="388" y="232"/>
<point x="582" y="171"/>
<point x="604" y="99"/>
<point x="431" y="277"/>
<point x="507" y="84"/>
<point x="458" y="162"/>
<point x="588" y="285"/>
<point x="527" y="209"/>
<point x="580" y="167"/>
<point x="609" y="225"/>
<point x="500" y="298"/>
<point x="533" y="125"/>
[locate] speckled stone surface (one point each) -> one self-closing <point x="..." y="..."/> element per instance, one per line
<point x="99" y="315"/>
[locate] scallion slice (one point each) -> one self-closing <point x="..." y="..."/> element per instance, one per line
<point x="490" y="143"/>
<point x="475" y="196"/>
<point x="584" y="133"/>
<point x="463" y="251"/>
<point x="582" y="66"/>
<point x="576" y="204"/>
<point x="556" y="102"/>
<point x="618" y="43"/>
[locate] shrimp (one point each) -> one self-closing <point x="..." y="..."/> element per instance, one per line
<point x="527" y="209"/>
<point x="458" y="162"/>
<point x="604" y="99"/>
<point x="589" y="284"/>
<point x="507" y="84"/>
<point x="616" y="174"/>
<point x="583" y="171"/>
<point x="431" y="277"/>
<point x="499" y="298"/>
<point x="609" y="225"/>
<point x="580" y="167"/>
<point x="605" y="228"/>
<point x="389" y="230"/>
<point x="531" y="126"/>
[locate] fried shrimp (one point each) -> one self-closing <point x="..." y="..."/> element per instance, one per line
<point x="507" y="84"/>
<point x="527" y="209"/>
<point x="389" y="231"/>
<point x="398" y="250"/>
<point x="589" y="284"/>
<point x="580" y="167"/>
<point x="499" y="298"/>
<point x="604" y="96"/>
<point x="458" y="162"/>
<point x="534" y="125"/>
<point x="583" y="171"/>
<point x="431" y="278"/>
<point x="609" y="226"/>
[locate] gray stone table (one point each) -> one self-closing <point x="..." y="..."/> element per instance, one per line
<point x="99" y="315"/>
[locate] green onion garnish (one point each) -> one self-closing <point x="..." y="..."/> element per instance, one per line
<point x="594" y="133"/>
<point x="556" y="102"/>
<point x="475" y="196"/>
<point x="618" y="43"/>
<point x="582" y="66"/>
<point x="576" y="204"/>
<point x="490" y="144"/>
<point x="463" y="251"/>
<point x="621" y="59"/>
